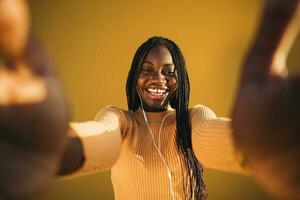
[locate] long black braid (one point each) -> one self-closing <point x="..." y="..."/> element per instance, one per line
<point x="194" y="187"/>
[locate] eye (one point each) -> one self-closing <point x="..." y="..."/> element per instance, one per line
<point x="169" y="72"/>
<point x="146" y="70"/>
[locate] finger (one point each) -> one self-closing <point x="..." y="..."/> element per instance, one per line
<point x="14" y="27"/>
<point x="278" y="29"/>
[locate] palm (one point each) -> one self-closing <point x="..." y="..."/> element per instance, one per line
<point x="266" y="127"/>
<point x="31" y="142"/>
<point x="32" y="102"/>
<point x="266" y="106"/>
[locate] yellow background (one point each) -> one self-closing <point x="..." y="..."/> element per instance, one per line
<point x="93" y="42"/>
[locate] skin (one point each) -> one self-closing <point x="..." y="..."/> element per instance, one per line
<point x="33" y="112"/>
<point x="157" y="72"/>
<point x="14" y="27"/>
<point x="266" y="112"/>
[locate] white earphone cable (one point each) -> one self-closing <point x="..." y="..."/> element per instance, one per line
<point x="169" y="172"/>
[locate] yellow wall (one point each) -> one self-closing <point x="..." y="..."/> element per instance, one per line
<point x="93" y="42"/>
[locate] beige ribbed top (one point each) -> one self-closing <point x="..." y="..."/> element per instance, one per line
<point x="121" y="141"/>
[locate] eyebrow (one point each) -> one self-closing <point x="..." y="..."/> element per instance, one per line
<point x="165" y="65"/>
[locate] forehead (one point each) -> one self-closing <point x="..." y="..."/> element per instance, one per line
<point x="159" y="55"/>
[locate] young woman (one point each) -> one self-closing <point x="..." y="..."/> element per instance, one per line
<point x="155" y="146"/>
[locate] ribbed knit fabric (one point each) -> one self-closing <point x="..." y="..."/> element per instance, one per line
<point x="121" y="141"/>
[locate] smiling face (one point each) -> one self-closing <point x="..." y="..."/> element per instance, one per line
<point x="157" y="80"/>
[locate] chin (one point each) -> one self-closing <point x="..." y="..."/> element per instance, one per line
<point x="155" y="108"/>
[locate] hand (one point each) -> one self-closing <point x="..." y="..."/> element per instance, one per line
<point x="266" y="112"/>
<point x="33" y="111"/>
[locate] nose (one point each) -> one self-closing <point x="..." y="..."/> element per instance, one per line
<point x="158" y="78"/>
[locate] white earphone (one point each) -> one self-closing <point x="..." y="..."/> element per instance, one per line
<point x="169" y="172"/>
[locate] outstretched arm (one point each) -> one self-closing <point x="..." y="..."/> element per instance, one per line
<point x="213" y="142"/>
<point x="95" y="145"/>
<point x="33" y="112"/>
<point x="266" y="111"/>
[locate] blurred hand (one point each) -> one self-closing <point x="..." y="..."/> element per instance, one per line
<point x="33" y="111"/>
<point x="266" y="115"/>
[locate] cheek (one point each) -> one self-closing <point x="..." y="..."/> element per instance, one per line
<point x="140" y="83"/>
<point x="173" y="83"/>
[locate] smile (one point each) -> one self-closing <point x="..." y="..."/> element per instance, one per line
<point x="157" y="93"/>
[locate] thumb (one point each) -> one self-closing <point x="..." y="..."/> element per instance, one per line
<point x="14" y="27"/>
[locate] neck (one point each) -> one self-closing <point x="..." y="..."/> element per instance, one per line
<point x="151" y="110"/>
<point x="153" y="117"/>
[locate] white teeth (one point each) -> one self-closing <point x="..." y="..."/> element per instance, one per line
<point x="161" y="91"/>
<point x="156" y="91"/>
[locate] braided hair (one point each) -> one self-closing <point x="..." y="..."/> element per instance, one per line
<point x="194" y="187"/>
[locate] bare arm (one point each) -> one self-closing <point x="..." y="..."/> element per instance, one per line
<point x="265" y="116"/>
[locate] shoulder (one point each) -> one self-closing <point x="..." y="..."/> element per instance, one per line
<point x="109" y="111"/>
<point x="201" y="112"/>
